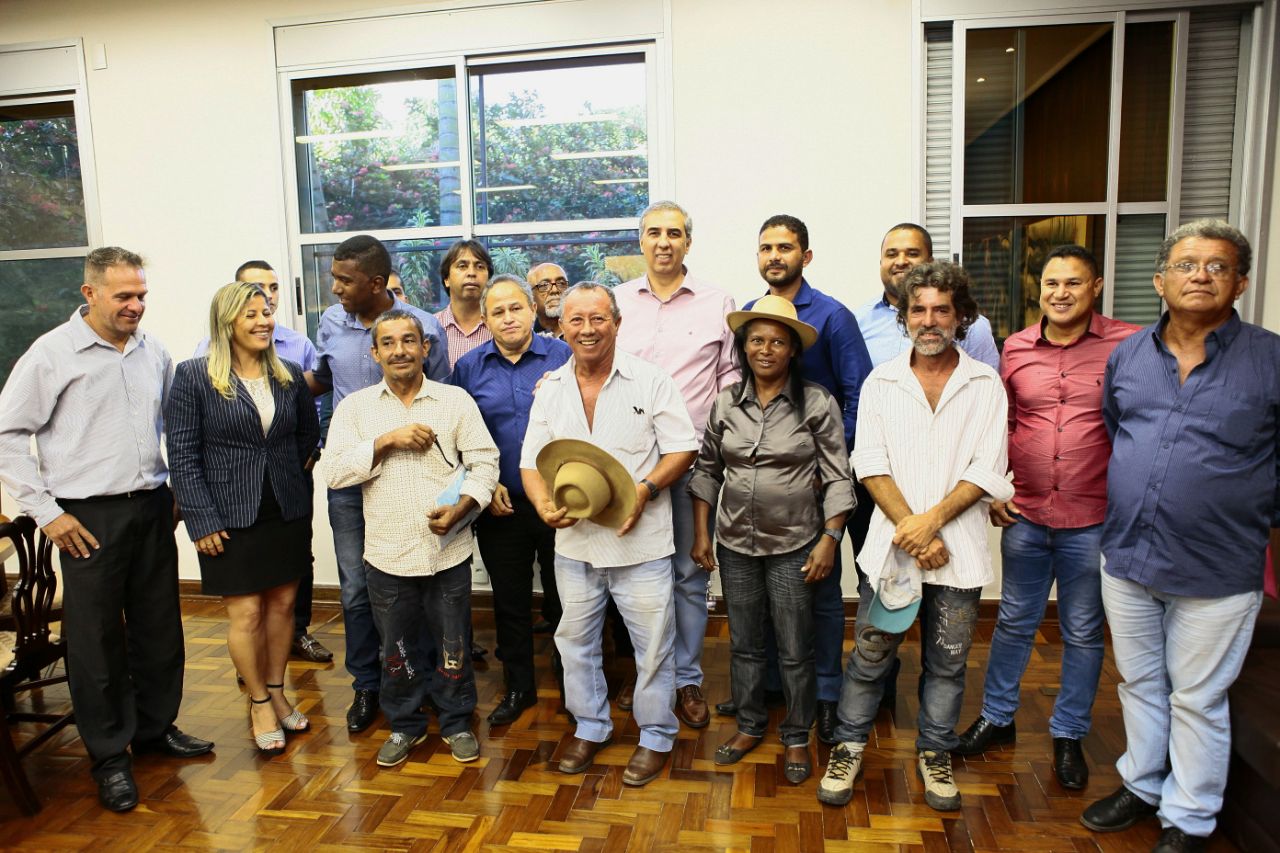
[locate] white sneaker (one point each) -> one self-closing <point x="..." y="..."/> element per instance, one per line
<point x="843" y="770"/>
<point x="940" y="790"/>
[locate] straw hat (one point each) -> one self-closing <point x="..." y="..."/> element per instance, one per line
<point x="779" y="310"/>
<point x="587" y="480"/>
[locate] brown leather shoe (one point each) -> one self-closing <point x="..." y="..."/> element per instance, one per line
<point x="645" y="766"/>
<point x="691" y="708"/>
<point x="627" y="695"/>
<point x="579" y="754"/>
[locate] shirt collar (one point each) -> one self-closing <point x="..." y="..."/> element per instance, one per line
<point x="423" y="391"/>
<point x="687" y="283"/>
<point x="748" y="392"/>
<point x="538" y="346"/>
<point x="621" y="365"/>
<point x="1095" y="329"/>
<point x="351" y="320"/>
<point x="1219" y="339"/>
<point x="83" y="336"/>
<point x="898" y="369"/>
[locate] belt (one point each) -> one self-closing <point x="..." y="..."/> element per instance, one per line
<point x="123" y="496"/>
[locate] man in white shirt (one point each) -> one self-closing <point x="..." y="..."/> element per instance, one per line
<point x="676" y="321"/>
<point x="931" y="449"/>
<point x="406" y="441"/>
<point x="632" y="410"/>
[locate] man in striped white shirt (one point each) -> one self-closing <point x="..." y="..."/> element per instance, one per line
<point x="931" y="449"/>
<point x="633" y="410"/>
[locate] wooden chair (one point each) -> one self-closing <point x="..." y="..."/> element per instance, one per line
<point x="27" y="652"/>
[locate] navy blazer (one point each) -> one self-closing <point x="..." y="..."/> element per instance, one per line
<point x="217" y="452"/>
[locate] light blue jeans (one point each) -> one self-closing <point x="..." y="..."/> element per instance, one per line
<point x="1034" y="556"/>
<point x="690" y="589"/>
<point x="1177" y="656"/>
<point x="643" y="595"/>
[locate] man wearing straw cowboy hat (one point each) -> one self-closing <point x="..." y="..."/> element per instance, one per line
<point x="630" y="438"/>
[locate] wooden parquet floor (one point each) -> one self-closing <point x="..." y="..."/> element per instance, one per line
<point x="327" y="792"/>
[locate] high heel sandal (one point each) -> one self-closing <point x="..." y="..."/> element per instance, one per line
<point x="271" y="743"/>
<point x="296" y="722"/>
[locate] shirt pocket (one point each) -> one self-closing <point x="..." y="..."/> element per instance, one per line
<point x="1236" y="419"/>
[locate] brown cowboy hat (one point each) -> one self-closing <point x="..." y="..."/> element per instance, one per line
<point x="587" y="480"/>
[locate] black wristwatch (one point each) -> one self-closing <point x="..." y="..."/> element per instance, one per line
<point x="653" y="490"/>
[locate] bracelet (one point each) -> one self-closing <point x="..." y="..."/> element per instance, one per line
<point x="834" y="532"/>
<point x="653" y="490"/>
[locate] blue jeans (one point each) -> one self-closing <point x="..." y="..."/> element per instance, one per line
<point x="828" y="638"/>
<point x="1177" y="656"/>
<point x="689" y="588"/>
<point x="346" y="517"/>
<point x="401" y="605"/>
<point x="947" y="620"/>
<point x="773" y="587"/>
<point x="1034" y="556"/>
<point x="643" y="595"/>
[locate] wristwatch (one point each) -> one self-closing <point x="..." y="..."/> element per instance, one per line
<point x="653" y="490"/>
<point x="836" y="533"/>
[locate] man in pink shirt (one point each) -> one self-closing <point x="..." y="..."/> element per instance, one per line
<point x="677" y="322"/>
<point x="464" y="271"/>
<point x="1058" y="450"/>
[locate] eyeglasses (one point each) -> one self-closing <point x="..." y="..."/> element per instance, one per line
<point x="558" y="283"/>
<point x="1215" y="269"/>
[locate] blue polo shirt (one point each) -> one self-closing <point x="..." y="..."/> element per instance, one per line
<point x="343" y="347"/>
<point x="838" y="361"/>
<point x="291" y="345"/>
<point x="1192" y="484"/>
<point x="504" y="393"/>
<point x="886" y="340"/>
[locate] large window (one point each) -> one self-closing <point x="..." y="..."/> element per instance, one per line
<point x="543" y="158"/>
<point x="1094" y="129"/>
<point x="45" y="223"/>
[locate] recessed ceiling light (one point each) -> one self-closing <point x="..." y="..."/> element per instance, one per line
<point x="1008" y="50"/>
<point x="981" y="80"/>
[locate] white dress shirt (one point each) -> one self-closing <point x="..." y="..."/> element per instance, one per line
<point x="927" y="453"/>
<point x="402" y="489"/>
<point x="639" y="417"/>
<point x="96" y="414"/>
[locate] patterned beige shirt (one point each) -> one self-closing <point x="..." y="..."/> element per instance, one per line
<point x="402" y="489"/>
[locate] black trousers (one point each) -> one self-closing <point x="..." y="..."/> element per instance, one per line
<point x="302" y="600"/>
<point x="508" y="545"/>
<point x="123" y="625"/>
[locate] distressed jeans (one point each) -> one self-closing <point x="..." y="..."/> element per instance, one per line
<point x="947" y="619"/>
<point x="643" y="595"/>
<point x="346" y="518"/>
<point x="400" y="606"/>
<point x="773" y="588"/>
<point x="1034" y="557"/>
<point x="1177" y="656"/>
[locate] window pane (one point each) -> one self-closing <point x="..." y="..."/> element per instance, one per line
<point x="1005" y="255"/>
<point x="1144" y="122"/>
<point x="41" y="197"/>
<point x="37" y="296"/>
<point x="1138" y="240"/>
<point x="609" y="257"/>
<point x="1036" y="107"/>
<point x="417" y="261"/>
<point x="378" y="151"/>
<point x="560" y="140"/>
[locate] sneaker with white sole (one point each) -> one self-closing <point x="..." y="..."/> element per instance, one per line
<point x="463" y="746"/>
<point x="940" y="790"/>
<point x="397" y="748"/>
<point x="843" y="770"/>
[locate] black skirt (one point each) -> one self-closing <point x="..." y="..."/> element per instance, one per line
<point x="268" y="553"/>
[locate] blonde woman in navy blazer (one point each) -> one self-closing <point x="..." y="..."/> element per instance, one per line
<point x="241" y="428"/>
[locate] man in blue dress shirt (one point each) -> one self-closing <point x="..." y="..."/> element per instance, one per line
<point x="361" y="267"/>
<point x="838" y="362"/>
<point x="501" y="375"/>
<point x="1192" y="404"/>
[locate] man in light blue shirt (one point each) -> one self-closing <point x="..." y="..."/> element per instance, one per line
<point x="905" y="246"/>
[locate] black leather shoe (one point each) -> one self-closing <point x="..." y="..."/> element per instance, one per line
<point x="512" y="706"/>
<point x="175" y="744"/>
<point x="364" y="707"/>
<point x="983" y="735"/>
<point x="307" y="647"/>
<point x="117" y="792"/>
<point x="827" y="721"/>
<point x="478" y="652"/>
<point x="542" y="626"/>
<point x="1119" y="811"/>
<point x="1069" y="764"/>
<point x="1174" y="840"/>
<point x="727" y="708"/>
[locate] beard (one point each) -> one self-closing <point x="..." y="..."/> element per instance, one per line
<point x="552" y="312"/>
<point x="932" y="347"/>
<point x="895" y="289"/>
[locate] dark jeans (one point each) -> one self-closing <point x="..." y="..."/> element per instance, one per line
<point x="346" y="517"/>
<point x="400" y="607"/>
<point x="123" y="625"/>
<point x="756" y="587"/>
<point x="947" y="620"/>
<point x="508" y="545"/>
